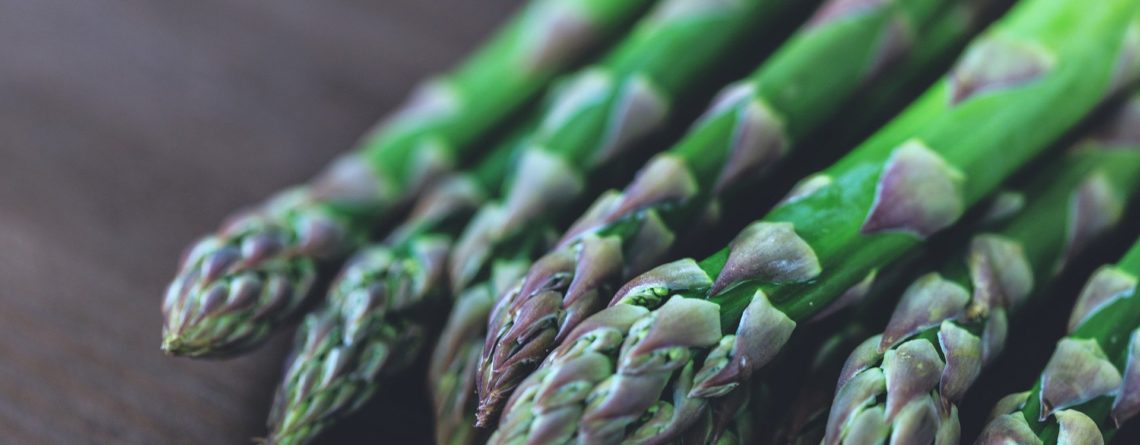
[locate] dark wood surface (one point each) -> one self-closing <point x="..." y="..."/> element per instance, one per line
<point x="128" y="128"/>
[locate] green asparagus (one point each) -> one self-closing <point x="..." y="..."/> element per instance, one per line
<point x="592" y="120"/>
<point x="1091" y="385"/>
<point x="905" y="383"/>
<point x="371" y="323"/>
<point x="753" y="124"/>
<point x="234" y="287"/>
<point x="1035" y="75"/>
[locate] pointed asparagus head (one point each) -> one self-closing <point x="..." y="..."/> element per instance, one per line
<point x="626" y="373"/>
<point x="235" y="286"/>
<point x="360" y="333"/>
<point x="560" y="289"/>
<point x="567" y="284"/>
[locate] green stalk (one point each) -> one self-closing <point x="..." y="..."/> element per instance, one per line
<point x="604" y="112"/>
<point x="751" y="126"/>
<point x="904" y="384"/>
<point x="1091" y="385"/>
<point x="237" y="285"/>
<point x="591" y="121"/>
<point x="1036" y="74"/>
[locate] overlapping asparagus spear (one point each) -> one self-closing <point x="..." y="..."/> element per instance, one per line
<point x="904" y="384"/>
<point x="593" y="119"/>
<point x="710" y="324"/>
<point x="753" y="124"/>
<point x="1091" y="384"/>
<point x="235" y="286"/>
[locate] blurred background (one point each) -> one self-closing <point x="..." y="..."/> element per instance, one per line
<point x="130" y="127"/>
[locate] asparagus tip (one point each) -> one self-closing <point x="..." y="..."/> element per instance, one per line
<point x="171" y="345"/>
<point x="488" y="409"/>
<point x="486" y="412"/>
<point x="175" y="344"/>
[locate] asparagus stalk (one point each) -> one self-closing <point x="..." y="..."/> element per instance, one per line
<point x="753" y="124"/>
<point x="904" y="384"/>
<point x="592" y="120"/>
<point x="1091" y="385"/>
<point x="604" y="383"/>
<point x="237" y="285"/>
<point x="371" y="323"/>
<point x="606" y="110"/>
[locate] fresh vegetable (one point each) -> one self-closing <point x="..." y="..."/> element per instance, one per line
<point x="593" y="119"/>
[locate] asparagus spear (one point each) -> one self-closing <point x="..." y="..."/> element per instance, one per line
<point x="905" y="383"/>
<point x="752" y="125"/>
<point x="593" y="119"/>
<point x="371" y="323"/>
<point x="604" y="383"/>
<point x="1091" y="385"/>
<point x="608" y="109"/>
<point x="235" y="286"/>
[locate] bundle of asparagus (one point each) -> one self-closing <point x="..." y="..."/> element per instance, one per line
<point x="753" y="124"/>
<point x="1091" y="385"/>
<point x="490" y="173"/>
<point x="595" y="117"/>
<point x="705" y="327"/>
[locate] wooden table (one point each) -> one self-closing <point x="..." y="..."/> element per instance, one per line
<point x="128" y="128"/>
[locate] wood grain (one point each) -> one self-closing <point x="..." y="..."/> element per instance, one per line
<point x="128" y="128"/>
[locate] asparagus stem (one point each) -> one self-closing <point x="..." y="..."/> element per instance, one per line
<point x="752" y="125"/>
<point x="236" y="286"/>
<point x="1091" y="384"/>
<point x="960" y="312"/>
<point x="1035" y="75"/>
